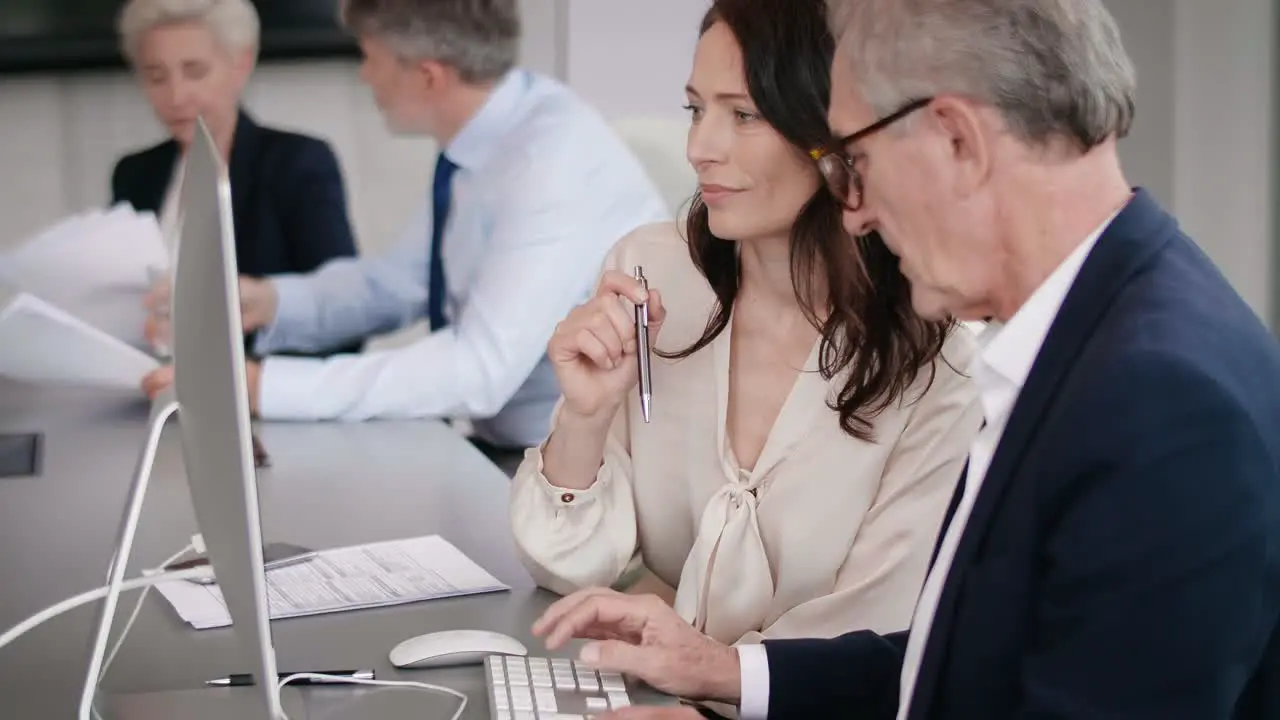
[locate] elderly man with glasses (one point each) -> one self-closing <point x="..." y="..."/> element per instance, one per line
<point x="1113" y="548"/>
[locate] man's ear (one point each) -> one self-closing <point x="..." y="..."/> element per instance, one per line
<point x="964" y="130"/>
<point x="436" y="75"/>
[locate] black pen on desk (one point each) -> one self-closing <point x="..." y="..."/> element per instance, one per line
<point x="642" y="347"/>
<point x="338" y="676"/>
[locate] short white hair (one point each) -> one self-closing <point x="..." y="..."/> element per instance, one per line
<point x="234" y="23"/>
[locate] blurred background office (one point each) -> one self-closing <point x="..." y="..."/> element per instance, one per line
<point x="1205" y="141"/>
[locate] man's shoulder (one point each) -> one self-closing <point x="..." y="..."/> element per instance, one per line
<point x="556" y="122"/>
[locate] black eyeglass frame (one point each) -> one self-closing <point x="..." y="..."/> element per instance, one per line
<point x="837" y="165"/>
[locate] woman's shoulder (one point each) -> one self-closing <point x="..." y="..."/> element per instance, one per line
<point x="161" y="155"/>
<point x="292" y="149"/>
<point x="662" y="250"/>
<point x="657" y="241"/>
<point x="948" y="380"/>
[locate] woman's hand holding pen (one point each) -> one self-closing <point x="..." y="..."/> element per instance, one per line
<point x="594" y="349"/>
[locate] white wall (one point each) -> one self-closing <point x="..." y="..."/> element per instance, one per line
<point x="632" y="57"/>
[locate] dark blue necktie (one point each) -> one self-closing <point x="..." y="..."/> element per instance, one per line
<point x="441" y="192"/>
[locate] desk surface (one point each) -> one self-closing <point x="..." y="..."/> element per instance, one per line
<point x="329" y="485"/>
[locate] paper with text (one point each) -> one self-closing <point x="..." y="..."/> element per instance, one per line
<point x="43" y="344"/>
<point x="364" y="576"/>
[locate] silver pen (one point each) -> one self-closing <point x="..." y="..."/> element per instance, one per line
<point x="642" y="346"/>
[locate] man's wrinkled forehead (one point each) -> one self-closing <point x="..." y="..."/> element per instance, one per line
<point x="847" y="112"/>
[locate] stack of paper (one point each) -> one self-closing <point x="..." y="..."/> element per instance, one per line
<point x="93" y="265"/>
<point x="41" y="343"/>
<point x="365" y="576"/>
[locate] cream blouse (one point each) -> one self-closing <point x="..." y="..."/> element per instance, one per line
<point x="826" y="534"/>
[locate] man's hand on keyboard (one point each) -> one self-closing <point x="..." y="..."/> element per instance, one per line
<point x="644" y="637"/>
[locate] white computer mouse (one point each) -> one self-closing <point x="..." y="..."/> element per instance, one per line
<point x="453" y="647"/>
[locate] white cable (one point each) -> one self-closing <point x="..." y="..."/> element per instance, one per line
<point x="462" y="699"/>
<point x="137" y="608"/>
<point x="47" y="614"/>
<point x="161" y="411"/>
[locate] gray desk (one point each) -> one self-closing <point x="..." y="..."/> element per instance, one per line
<point x="330" y="485"/>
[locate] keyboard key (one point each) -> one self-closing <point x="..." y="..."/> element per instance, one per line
<point x="525" y="715"/>
<point x="521" y="698"/>
<point x="612" y="682"/>
<point x="587" y="680"/>
<point x="501" y="715"/>
<point x="546" y="700"/>
<point x="564" y="681"/>
<point x="618" y="700"/>
<point x="500" y="701"/>
<point x="597" y="703"/>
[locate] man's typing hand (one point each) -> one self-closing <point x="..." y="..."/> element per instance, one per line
<point x="644" y="637"/>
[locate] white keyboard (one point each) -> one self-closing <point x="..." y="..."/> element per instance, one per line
<point x="525" y="688"/>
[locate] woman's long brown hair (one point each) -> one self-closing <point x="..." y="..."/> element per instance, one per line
<point x="868" y="325"/>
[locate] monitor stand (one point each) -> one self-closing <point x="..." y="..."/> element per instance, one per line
<point x="162" y="408"/>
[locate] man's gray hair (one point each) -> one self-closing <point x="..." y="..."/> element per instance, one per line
<point x="234" y="23"/>
<point x="480" y="38"/>
<point x="1053" y="68"/>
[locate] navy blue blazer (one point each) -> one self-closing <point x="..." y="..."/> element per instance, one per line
<point x="287" y="198"/>
<point x="1123" y="556"/>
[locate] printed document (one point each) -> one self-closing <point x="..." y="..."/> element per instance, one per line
<point x="364" y="576"/>
<point x="42" y="344"/>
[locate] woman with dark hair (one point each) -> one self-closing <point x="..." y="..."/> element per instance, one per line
<point x="807" y="428"/>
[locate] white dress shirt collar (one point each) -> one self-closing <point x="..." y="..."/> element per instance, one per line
<point x="473" y="146"/>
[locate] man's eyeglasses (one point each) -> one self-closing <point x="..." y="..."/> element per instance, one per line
<point x="837" y="165"/>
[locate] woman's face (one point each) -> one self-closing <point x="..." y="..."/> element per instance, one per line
<point x="187" y="74"/>
<point x="753" y="181"/>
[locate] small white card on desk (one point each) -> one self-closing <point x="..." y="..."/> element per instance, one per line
<point x="363" y="576"/>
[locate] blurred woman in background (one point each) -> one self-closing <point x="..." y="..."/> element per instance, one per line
<point x="193" y="59"/>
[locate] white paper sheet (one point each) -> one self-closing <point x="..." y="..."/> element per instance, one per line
<point x="93" y="264"/>
<point x="364" y="576"/>
<point x="43" y="344"/>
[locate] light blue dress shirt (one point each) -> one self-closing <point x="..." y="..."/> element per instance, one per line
<point x="543" y="191"/>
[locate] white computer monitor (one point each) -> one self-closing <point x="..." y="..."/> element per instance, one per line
<point x="213" y="405"/>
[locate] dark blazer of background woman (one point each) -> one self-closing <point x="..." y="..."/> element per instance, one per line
<point x="287" y="198"/>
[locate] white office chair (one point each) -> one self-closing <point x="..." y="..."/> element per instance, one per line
<point x="659" y="144"/>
